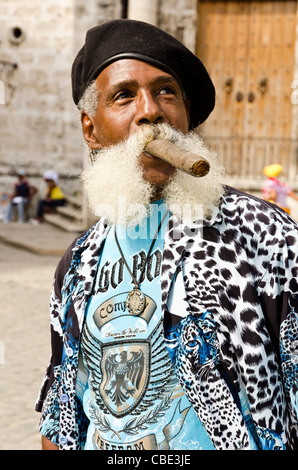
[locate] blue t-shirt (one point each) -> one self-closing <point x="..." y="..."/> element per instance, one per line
<point x="133" y="398"/>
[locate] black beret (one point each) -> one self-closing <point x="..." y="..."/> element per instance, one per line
<point x="131" y="39"/>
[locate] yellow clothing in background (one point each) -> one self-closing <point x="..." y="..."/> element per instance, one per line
<point x="56" y="193"/>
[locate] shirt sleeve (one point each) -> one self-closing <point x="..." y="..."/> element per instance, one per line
<point x="289" y="326"/>
<point x="48" y="403"/>
<point x="279" y="295"/>
<point x="48" y="400"/>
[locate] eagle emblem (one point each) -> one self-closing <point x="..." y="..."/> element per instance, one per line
<point x="125" y="373"/>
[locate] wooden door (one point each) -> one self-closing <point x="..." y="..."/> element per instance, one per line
<point x="248" y="48"/>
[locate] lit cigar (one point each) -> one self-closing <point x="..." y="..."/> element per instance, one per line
<point x="180" y="158"/>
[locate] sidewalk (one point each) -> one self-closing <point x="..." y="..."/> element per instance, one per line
<point x="42" y="239"/>
<point x="28" y="259"/>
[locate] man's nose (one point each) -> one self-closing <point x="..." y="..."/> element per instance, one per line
<point x="148" y="110"/>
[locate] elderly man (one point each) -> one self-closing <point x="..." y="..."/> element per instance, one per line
<point x="174" y="318"/>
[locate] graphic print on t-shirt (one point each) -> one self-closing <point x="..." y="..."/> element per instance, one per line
<point x="125" y="376"/>
<point x="133" y="399"/>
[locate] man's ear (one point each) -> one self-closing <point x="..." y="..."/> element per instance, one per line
<point x="89" y="131"/>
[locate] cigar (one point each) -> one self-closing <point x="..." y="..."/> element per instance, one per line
<point x="186" y="161"/>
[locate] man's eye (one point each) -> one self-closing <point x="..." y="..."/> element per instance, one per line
<point x="167" y="90"/>
<point x="123" y="95"/>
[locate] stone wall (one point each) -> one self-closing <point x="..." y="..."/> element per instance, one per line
<point x="180" y="20"/>
<point x="37" y="118"/>
<point x="39" y="123"/>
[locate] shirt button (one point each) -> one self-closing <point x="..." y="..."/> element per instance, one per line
<point x="62" y="440"/>
<point x="64" y="398"/>
<point x="69" y="352"/>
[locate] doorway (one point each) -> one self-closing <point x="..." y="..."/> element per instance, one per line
<point x="248" y="47"/>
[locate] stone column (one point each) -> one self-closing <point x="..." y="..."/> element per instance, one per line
<point x="145" y="10"/>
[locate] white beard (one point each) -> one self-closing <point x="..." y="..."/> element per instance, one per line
<point x="117" y="191"/>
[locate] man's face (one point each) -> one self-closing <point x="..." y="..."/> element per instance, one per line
<point x="133" y="93"/>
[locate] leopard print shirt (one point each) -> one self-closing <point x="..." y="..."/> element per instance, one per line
<point x="239" y="337"/>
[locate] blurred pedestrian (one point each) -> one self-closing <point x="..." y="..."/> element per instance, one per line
<point x="54" y="197"/>
<point x="275" y="190"/>
<point x="20" y="197"/>
<point x="3" y="206"/>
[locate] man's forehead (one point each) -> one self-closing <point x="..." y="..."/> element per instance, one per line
<point x="130" y="72"/>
